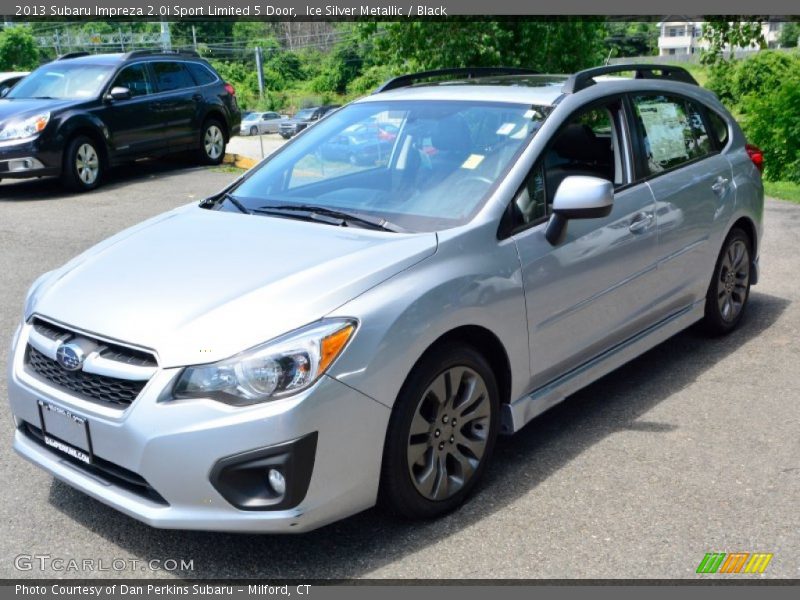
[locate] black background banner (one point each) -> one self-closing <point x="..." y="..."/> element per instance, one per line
<point x="26" y="10"/>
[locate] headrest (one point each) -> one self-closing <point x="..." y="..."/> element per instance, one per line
<point x="452" y="135"/>
<point x="578" y="142"/>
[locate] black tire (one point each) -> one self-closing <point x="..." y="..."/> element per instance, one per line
<point x="285" y="136"/>
<point x="254" y="130"/>
<point x="212" y="143"/>
<point x="729" y="289"/>
<point x="402" y="479"/>
<point x="83" y="167"/>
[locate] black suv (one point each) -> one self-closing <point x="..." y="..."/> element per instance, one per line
<point x="83" y="113"/>
<point x="304" y="118"/>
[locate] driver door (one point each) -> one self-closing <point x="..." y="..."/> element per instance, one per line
<point x="135" y="127"/>
<point x="593" y="290"/>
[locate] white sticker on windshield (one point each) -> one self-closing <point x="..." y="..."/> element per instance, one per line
<point x="505" y="129"/>
<point x="472" y="162"/>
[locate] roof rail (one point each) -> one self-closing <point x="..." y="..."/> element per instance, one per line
<point x="152" y="52"/>
<point x="467" y="72"/>
<point x="69" y="55"/>
<point x="584" y="79"/>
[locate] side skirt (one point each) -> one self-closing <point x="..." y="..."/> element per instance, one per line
<point x="520" y="412"/>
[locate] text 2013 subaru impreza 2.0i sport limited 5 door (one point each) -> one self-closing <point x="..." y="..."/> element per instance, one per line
<point x="328" y="333"/>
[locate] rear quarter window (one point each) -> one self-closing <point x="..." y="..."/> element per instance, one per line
<point x="202" y="75"/>
<point x="719" y="127"/>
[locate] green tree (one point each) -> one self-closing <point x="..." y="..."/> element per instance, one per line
<point x="773" y="125"/>
<point x="18" y="50"/>
<point x="631" y="38"/>
<point x="726" y="33"/>
<point x="790" y="33"/>
<point x="547" y="46"/>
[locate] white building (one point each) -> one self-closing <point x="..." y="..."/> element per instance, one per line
<point x="679" y="38"/>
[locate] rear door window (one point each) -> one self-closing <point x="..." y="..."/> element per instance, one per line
<point x="172" y="76"/>
<point x="672" y="132"/>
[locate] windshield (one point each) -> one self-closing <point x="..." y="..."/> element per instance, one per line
<point x="251" y="117"/>
<point x="423" y="165"/>
<point x="63" y="81"/>
<point x="305" y="114"/>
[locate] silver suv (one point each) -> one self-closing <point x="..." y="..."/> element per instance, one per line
<point x="327" y="333"/>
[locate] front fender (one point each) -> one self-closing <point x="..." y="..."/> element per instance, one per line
<point x="471" y="280"/>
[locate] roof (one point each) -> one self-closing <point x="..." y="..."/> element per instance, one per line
<point x="539" y="90"/>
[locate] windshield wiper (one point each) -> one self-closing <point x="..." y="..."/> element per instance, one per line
<point x="230" y="198"/>
<point x="342" y="217"/>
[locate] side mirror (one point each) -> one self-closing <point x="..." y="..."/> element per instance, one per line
<point x="119" y="93"/>
<point x="4" y="91"/>
<point x="578" y="197"/>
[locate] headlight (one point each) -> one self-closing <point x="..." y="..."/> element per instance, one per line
<point x="24" y="129"/>
<point x="279" y="368"/>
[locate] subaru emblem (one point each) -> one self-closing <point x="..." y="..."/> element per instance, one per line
<point x="70" y="356"/>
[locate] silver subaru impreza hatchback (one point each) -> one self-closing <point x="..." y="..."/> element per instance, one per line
<point x="357" y="319"/>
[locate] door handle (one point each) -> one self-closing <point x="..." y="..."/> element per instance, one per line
<point x="640" y="222"/>
<point x="720" y="186"/>
<point x="197" y="97"/>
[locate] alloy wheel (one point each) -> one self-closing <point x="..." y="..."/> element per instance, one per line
<point x="449" y="433"/>
<point x="213" y="142"/>
<point x="734" y="277"/>
<point x="87" y="164"/>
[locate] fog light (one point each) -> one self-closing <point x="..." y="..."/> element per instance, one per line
<point x="277" y="482"/>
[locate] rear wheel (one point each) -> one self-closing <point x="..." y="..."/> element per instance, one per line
<point x="212" y="143"/>
<point x="729" y="289"/>
<point x="254" y="130"/>
<point x="83" y="166"/>
<point x="441" y="433"/>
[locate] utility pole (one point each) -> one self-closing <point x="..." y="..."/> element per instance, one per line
<point x="260" y="72"/>
<point x="166" y="40"/>
<point x="194" y="38"/>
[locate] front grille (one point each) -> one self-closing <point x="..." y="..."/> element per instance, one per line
<point x="119" y="476"/>
<point x="111" y="351"/>
<point x="98" y="388"/>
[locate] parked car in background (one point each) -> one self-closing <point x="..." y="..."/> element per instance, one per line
<point x="303" y="119"/>
<point x="320" y="336"/>
<point x="261" y="122"/>
<point x="9" y="80"/>
<point x="83" y="113"/>
<point x="361" y="144"/>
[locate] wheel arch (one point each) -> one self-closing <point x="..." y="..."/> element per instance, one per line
<point x="214" y="114"/>
<point x="488" y="344"/>
<point x="747" y="225"/>
<point x="93" y="133"/>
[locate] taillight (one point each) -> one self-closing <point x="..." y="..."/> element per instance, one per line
<point x="229" y="89"/>
<point x="756" y="155"/>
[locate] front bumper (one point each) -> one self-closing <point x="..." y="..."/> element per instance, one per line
<point x="27" y="159"/>
<point x="175" y="447"/>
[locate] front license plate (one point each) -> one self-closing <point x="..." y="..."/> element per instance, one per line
<point x="65" y="432"/>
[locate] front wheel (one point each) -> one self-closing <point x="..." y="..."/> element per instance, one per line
<point x="729" y="289"/>
<point x="212" y="143"/>
<point x="83" y="166"/>
<point x="254" y="130"/>
<point x="441" y="433"/>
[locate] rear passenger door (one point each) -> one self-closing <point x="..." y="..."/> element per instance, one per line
<point x="178" y="103"/>
<point x="691" y="182"/>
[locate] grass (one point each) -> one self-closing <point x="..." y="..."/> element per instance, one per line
<point x="228" y="169"/>
<point x="783" y="190"/>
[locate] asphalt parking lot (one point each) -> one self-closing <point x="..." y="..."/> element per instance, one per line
<point x="692" y="448"/>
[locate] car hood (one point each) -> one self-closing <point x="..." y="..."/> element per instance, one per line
<point x="293" y="121"/>
<point x="197" y="286"/>
<point x="20" y="108"/>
